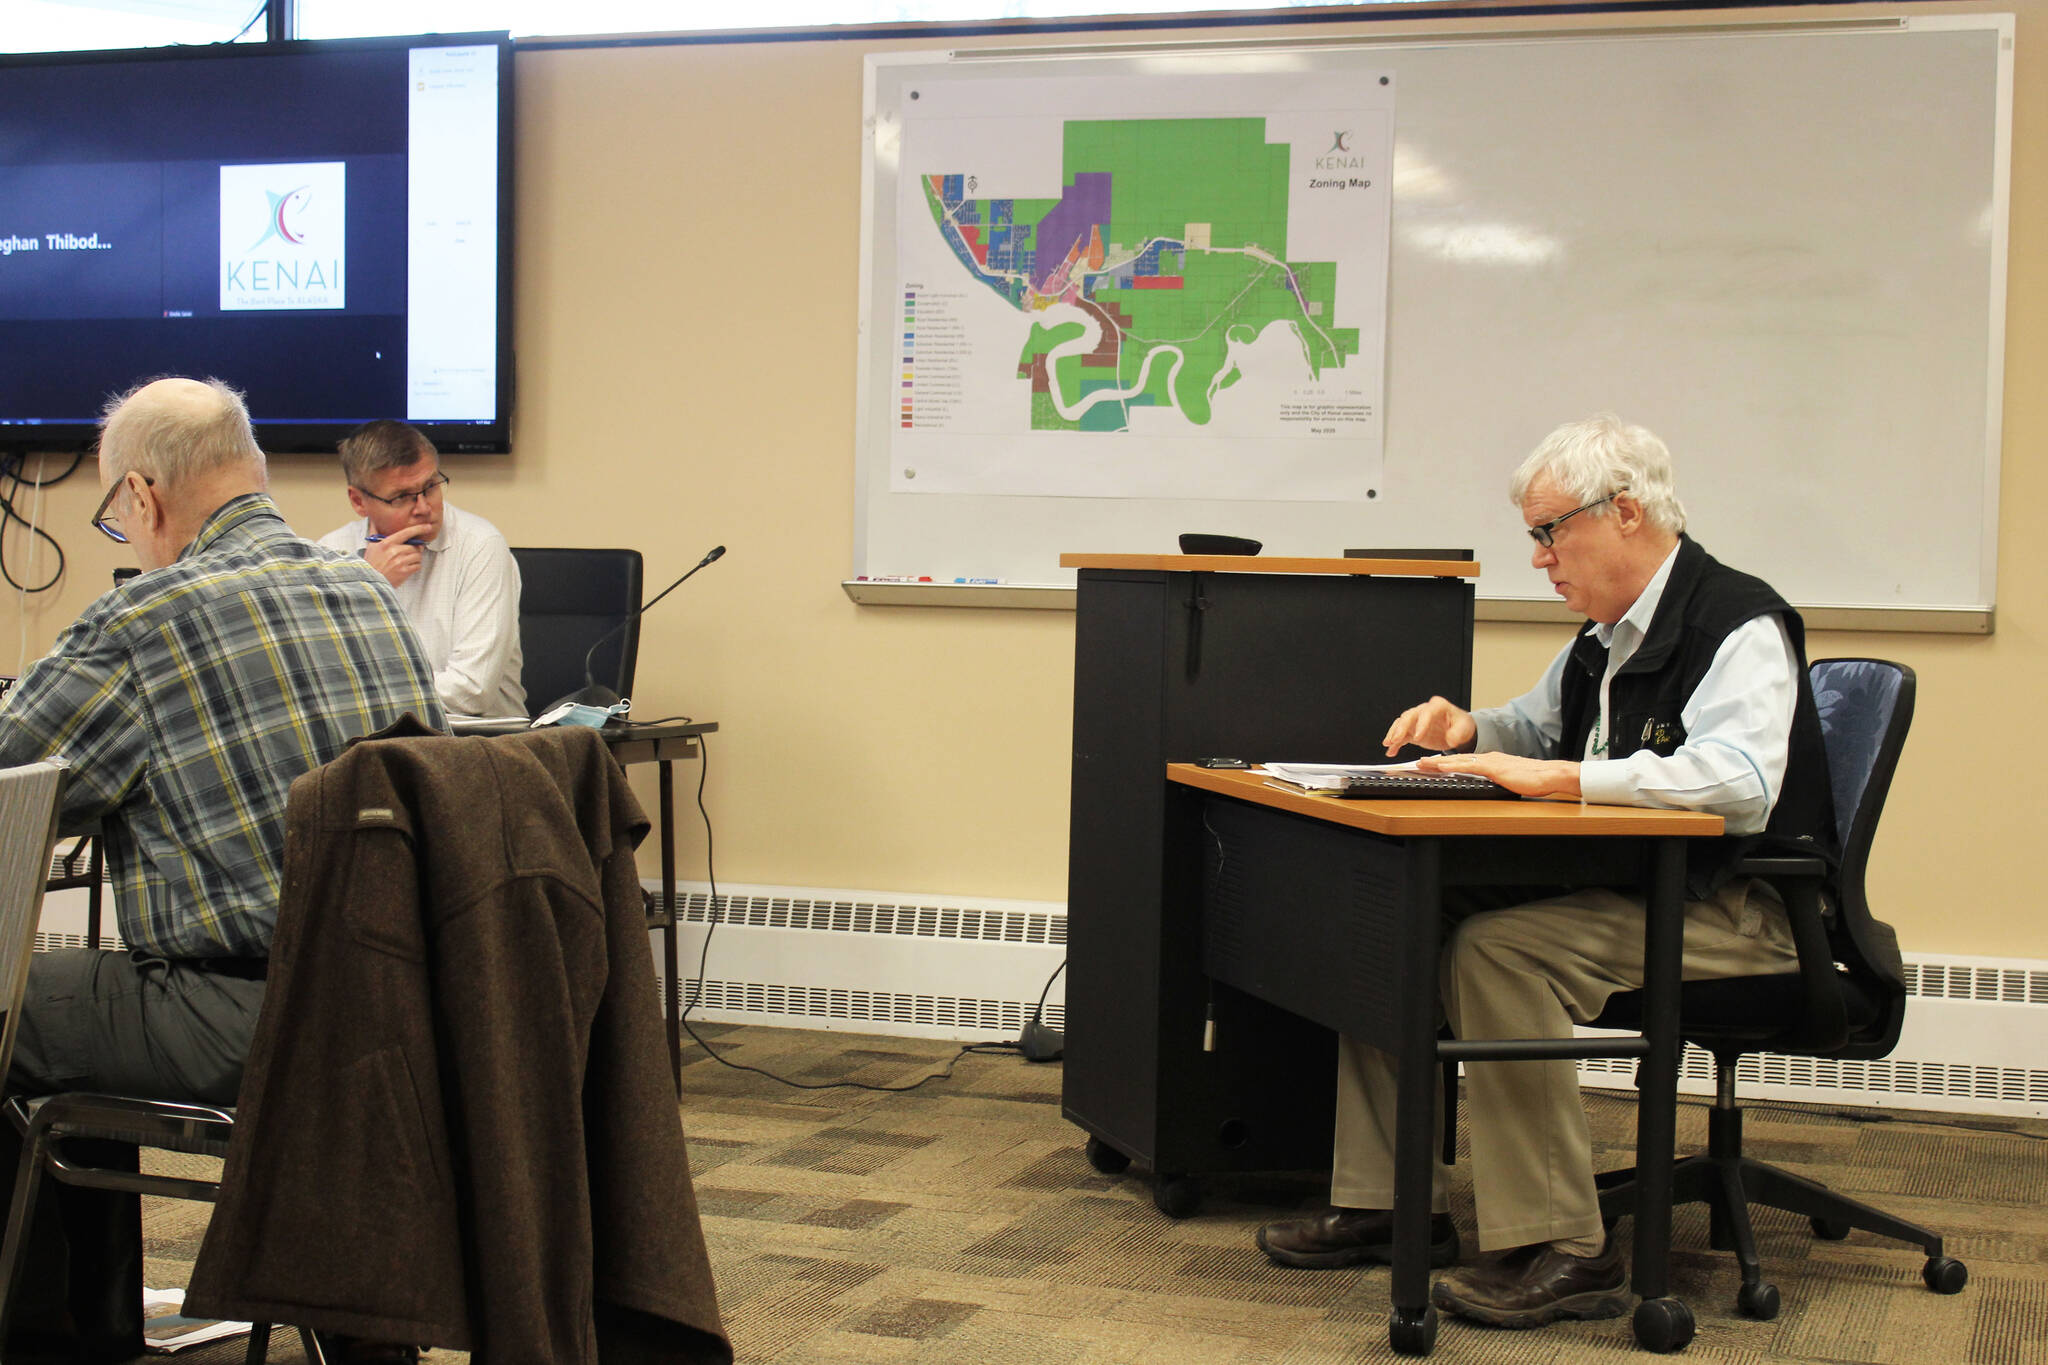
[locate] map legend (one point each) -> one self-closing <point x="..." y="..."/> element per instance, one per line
<point x="909" y="348"/>
<point x="935" y="349"/>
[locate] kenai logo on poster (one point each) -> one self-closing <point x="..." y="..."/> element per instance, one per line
<point x="283" y="235"/>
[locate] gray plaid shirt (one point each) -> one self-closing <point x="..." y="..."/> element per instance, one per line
<point x="188" y="700"/>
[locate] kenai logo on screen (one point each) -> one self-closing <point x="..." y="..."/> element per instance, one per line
<point x="283" y="235"/>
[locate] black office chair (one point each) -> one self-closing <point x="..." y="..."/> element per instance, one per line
<point x="69" y="1137"/>
<point x="1848" y="999"/>
<point x="568" y="599"/>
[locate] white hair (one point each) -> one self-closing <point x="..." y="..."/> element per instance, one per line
<point x="178" y="429"/>
<point x="1601" y="456"/>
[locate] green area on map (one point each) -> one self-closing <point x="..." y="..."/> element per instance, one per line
<point x="1172" y="235"/>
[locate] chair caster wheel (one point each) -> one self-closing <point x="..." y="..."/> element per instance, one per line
<point x="1945" y="1274"/>
<point x="1412" y="1332"/>
<point x="1663" y="1325"/>
<point x="1829" y="1229"/>
<point x="1176" y="1196"/>
<point x="1105" y="1158"/>
<point x="1759" y="1301"/>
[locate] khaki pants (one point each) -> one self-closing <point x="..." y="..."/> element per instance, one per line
<point x="1532" y="971"/>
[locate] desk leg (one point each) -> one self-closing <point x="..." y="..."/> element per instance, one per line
<point x="1661" y="1323"/>
<point x="672" y="1006"/>
<point x="1412" y="1328"/>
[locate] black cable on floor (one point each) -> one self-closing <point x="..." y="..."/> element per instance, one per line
<point x="704" y="955"/>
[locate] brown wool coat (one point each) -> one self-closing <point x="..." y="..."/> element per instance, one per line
<point x="458" y="1125"/>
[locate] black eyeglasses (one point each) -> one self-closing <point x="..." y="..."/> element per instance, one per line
<point x="425" y="490"/>
<point x="103" y="523"/>
<point x="1544" y="533"/>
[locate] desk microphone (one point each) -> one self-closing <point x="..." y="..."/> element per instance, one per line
<point x="595" y="693"/>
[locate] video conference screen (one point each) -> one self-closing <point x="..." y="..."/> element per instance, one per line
<point x="322" y="225"/>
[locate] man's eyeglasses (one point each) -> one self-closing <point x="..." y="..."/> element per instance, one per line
<point x="1544" y="533"/>
<point x="426" y="490"/>
<point x="103" y="523"/>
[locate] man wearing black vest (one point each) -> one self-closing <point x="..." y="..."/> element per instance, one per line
<point x="1687" y="689"/>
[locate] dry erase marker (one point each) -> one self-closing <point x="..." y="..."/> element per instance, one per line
<point x="374" y="539"/>
<point x="978" y="580"/>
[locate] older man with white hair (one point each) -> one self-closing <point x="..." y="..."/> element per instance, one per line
<point x="185" y="702"/>
<point x="1687" y="689"/>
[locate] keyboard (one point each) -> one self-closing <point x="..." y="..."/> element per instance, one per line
<point x="1423" y="787"/>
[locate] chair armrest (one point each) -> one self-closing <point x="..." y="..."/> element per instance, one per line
<point x="1783" y="865"/>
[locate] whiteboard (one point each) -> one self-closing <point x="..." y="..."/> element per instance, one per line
<point x="1781" y="247"/>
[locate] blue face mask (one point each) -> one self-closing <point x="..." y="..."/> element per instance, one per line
<point x="580" y="713"/>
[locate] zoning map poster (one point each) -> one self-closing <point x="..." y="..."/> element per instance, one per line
<point x="1141" y="286"/>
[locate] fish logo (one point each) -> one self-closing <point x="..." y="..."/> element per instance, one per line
<point x="286" y="217"/>
<point x="283" y="235"/>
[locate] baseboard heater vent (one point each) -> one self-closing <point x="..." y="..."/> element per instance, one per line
<point x="46" y="940"/>
<point x="968" y="923"/>
<point x="1886" y="1080"/>
<point x="1953" y="980"/>
<point x="962" y="968"/>
<point x="850" y="1007"/>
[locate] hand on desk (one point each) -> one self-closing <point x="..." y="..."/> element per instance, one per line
<point x="1436" y="724"/>
<point x="1522" y="776"/>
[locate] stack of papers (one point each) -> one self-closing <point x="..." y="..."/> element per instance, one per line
<point x="165" y="1328"/>
<point x="1327" y="777"/>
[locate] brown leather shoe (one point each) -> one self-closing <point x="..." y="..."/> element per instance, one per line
<point x="1532" y="1285"/>
<point x="1350" y="1237"/>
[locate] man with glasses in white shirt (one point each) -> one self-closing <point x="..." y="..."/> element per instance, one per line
<point x="453" y="572"/>
<point x="1686" y="689"/>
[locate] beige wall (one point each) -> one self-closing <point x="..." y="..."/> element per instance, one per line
<point x="689" y="223"/>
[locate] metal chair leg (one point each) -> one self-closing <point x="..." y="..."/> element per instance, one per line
<point x="20" y="1217"/>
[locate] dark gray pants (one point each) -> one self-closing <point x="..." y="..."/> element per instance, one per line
<point x="131" y="1024"/>
<point x="124" y="1024"/>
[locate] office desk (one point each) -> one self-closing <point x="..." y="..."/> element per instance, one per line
<point x="664" y="744"/>
<point x="1331" y="909"/>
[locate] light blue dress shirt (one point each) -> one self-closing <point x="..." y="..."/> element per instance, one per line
<point x="1738" y="723"/>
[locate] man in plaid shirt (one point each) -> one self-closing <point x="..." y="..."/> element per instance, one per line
<point x="186" y="702"/>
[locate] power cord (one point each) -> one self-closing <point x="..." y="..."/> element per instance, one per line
<point x="11" y="473"/>
<point x="261" y="10"/>
<point x="1039" y="1043"/>
<point x="704" y="955"/>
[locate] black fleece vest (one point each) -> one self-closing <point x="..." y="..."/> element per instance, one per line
<point x="1704" y="602"/>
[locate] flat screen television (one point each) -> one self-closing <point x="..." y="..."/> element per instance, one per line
<point x="326" y="226"/>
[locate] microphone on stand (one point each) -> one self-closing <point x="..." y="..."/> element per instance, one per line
<point x="595" y="693"/>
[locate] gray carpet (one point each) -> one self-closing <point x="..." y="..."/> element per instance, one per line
<point x="959" y="1223"/>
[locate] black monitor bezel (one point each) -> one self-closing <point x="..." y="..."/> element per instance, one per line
<point x="284" y="438"/>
